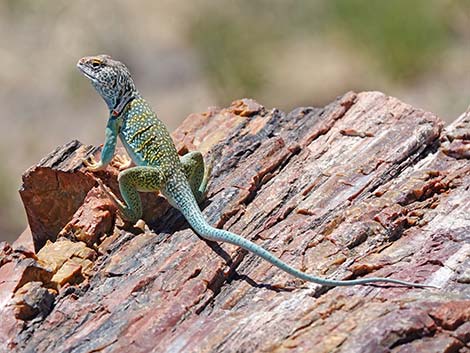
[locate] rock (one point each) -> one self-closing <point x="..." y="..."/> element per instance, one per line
<point x="70" y="262"/>
<point x="94" y="219"/>
<point x="31" y="300"/>
<point x="54" y="189"/>
<point x="366" y="186"/>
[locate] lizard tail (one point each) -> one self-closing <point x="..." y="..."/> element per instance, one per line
<point x="214" y="234"/>
<point x="197" y="221"/>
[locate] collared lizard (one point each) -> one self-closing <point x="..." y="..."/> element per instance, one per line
<point x="159" y="168"/>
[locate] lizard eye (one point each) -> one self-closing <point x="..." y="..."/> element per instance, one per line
<point x="95" y="64"/>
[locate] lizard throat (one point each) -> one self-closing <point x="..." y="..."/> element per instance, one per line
<point x="121" y="104"/>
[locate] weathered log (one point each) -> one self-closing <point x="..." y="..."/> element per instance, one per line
<point x="366" y="186"/>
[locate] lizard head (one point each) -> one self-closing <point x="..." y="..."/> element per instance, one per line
<point x="111" y="79"/>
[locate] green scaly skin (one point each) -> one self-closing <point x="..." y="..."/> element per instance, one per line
<point x="159" y="168"/>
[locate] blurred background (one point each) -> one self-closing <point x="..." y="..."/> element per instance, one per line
<point x="188" y="55"/>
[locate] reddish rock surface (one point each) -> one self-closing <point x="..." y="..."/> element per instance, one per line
<point x="366" y="186"/>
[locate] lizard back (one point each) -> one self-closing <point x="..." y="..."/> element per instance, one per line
<point x="146" y="138"/>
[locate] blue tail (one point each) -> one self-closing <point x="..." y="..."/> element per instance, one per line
<point x="188" y="206"/>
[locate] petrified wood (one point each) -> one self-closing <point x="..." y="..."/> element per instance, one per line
<point x="366" y="186"/>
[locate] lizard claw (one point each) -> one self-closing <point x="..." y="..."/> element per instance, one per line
<point x="91" y="164"/>
<point x="121" y="207"/>
<point x="122" y="162"/>
<point x="110" y="194"/>
<point x="126" y="214"/>
<point x="210" y="164"/>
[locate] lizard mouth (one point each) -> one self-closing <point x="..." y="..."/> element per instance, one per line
<point x="85" y="72"/>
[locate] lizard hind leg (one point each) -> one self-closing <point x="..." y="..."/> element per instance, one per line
<point x="197" y="173"/>
<point x="131" y="181"/>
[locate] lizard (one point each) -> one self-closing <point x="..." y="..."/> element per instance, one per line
<point x="181" y="180"/>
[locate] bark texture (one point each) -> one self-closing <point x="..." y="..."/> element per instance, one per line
<point x="366" y="186"/>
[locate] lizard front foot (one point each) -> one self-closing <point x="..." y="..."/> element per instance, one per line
<point x="122" y="161"/>
<point x="92" y="165"/>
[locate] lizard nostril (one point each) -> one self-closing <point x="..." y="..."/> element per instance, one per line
<point x="83" y="60"/>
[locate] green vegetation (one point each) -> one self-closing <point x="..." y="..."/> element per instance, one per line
<point x="405" y="38"/>
<point x="227" y="56"/>
<point x="235" y="40"/>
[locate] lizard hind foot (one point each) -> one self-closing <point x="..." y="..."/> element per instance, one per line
<point x="140" y="224"/>
<point x="118" y="203"/>
<point x="127" y="215"/>
<point x="209" y="165"/>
